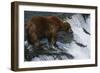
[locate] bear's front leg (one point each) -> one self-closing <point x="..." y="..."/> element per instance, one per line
<point x="52" y="41"/>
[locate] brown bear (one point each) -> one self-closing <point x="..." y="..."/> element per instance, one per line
<point x="45" y="26"/>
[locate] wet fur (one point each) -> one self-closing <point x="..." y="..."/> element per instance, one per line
<point x="39" y="27"/>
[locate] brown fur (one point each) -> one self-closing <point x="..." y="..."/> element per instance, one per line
<point x="44" y="26"/>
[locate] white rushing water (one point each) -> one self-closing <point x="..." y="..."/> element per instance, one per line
<point x="77" y="24"/>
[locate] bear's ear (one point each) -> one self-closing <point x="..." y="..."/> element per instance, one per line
<point x="67" y="27"/>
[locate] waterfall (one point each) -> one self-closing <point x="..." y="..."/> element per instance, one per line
<point x="78" y="24"/>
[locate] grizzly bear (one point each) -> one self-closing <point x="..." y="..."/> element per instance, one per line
<point x="39" y="27"/>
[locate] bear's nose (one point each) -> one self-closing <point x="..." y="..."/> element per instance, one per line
<point x="70" y="30"/>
